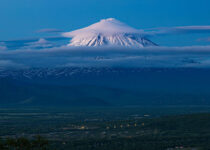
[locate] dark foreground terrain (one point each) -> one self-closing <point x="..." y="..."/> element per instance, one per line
<point x="130" y="128"/>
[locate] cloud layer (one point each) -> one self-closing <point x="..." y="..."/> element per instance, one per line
<point x="107" y="57"/>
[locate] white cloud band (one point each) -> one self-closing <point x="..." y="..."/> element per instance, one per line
<point x="109" y="57"/>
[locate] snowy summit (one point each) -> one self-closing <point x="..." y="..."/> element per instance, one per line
<point x="108" y="32"/>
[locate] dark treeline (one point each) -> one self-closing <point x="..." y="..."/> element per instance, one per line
<point x="140" y="143"/>
<point x="37" y="143"/>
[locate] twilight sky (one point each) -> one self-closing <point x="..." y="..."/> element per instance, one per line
<point x="20" y="19"/>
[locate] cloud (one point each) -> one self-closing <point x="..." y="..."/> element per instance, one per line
<point x="49" y="31"/>
<point x="177" y="30"/>
<point x="204" y="39"/>
<point x="39" y="44"/>
<point x="55" y="41"/>
<point x="8" y="64"/>
<point x="2" y="46"/>
<point x="197" y="56"/>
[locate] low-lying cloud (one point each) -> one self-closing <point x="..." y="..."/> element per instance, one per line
<point x="204" y="39"/>
<point x="38" y="43"/>
<point x="196" y="56"/>
<point x="2" y="46"/>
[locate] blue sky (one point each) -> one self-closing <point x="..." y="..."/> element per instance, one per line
<point x="21" y="18"/>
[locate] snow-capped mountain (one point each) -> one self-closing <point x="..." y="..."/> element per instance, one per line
<point x="108" y="32"/>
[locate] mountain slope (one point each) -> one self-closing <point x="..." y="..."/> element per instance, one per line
<point x="104" y="87"/>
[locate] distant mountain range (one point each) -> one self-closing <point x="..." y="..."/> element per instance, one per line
<point x="72" y="87"/>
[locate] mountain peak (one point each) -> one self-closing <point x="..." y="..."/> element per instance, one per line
<point x="109" y="20"/>
<point x="108" y="32"/>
